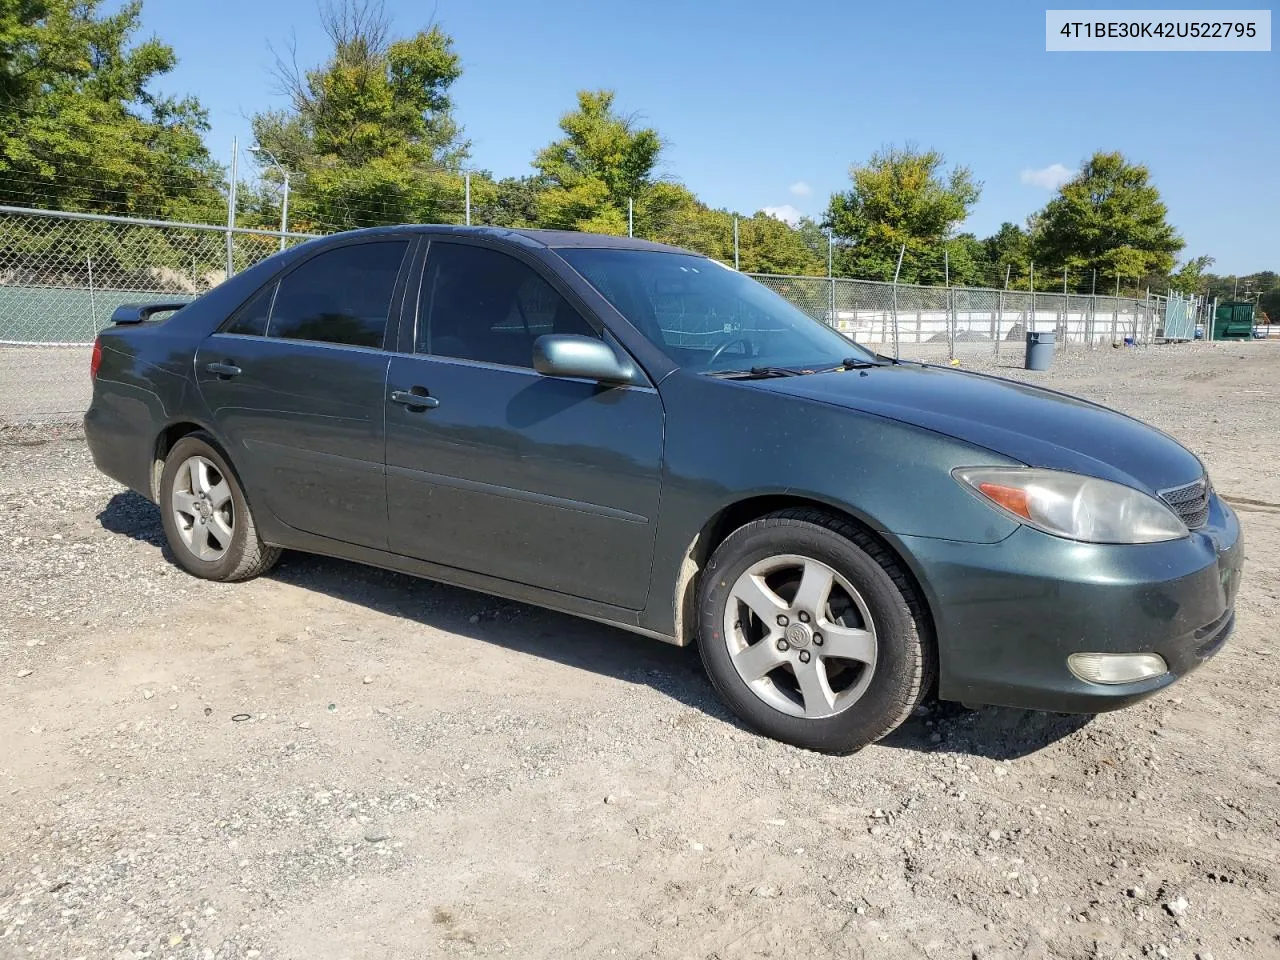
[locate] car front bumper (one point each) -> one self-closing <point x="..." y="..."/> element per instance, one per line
<point x="1009" y="614"/>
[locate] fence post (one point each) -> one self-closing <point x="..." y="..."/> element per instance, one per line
<point x="950" y="311"/>
<point x="1008" y="269"/>
<point x="831" y="280"/>
<point x="1066" y="310"/>
<point x="1093" y="311"/>
<point x="1031" y="313"/>
<point x="897" y="271"/>
<point x="93" y="306"/>
<point x="231" y="209"/>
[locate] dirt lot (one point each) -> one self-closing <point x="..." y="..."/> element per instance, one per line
<point x="336" y="762"/>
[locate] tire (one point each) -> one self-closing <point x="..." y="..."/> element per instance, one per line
<point x="797" y="687"/>
<point x="206" y="517"/>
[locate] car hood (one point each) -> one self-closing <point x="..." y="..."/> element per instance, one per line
<point x="1041" y="428"/>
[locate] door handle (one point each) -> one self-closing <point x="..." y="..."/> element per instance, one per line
<point x="411" y="399"/>
<point x="223" y="369"/>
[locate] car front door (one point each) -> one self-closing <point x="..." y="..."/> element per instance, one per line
<point x="495" y="469"/>
<point x="295" y="383"/>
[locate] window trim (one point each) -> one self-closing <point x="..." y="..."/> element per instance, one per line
<point x="238" y="312"/>
<point x="412" y="307"/>
<point x="404" y="272"/>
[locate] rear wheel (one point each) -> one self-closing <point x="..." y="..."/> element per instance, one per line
<point x="812" y="633"/>
<point x="206" y="518"/>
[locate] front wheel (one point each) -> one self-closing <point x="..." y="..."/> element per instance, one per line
<point x="206" y="517"/>
<point x="812" y="633"/>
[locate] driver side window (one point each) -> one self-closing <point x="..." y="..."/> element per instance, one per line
<point x="480" y="304"/>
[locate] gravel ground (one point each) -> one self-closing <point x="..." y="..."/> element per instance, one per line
<point x="338" y="762"/>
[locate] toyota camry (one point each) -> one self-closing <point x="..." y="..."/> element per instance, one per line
<point x="636" y="434"/>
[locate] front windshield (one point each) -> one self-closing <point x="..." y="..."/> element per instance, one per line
<point x="707" y="317"/>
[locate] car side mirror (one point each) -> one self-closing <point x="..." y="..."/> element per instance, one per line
<point x="569" y="355"/>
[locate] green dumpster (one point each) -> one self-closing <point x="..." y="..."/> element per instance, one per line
<point x="1233" y="321"/>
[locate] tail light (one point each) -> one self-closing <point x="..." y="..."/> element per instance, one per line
<point x="95" y="359"/>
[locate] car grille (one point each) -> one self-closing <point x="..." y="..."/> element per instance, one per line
<point x="1190" y="502"/>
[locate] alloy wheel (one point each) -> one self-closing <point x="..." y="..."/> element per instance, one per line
<point x="800" y="636"/>
<point x="203" y="508"/>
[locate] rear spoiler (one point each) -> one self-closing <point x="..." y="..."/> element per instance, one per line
<point x="140" y="312"/>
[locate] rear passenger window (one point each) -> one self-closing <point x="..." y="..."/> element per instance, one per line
<point x="340" y="296"/>
<point x="479" y="304"/>
<point x="251" y="319"/>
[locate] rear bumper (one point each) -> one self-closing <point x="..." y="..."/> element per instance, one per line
<point x="1009" y="614"/>
<point x="120" y="432"/>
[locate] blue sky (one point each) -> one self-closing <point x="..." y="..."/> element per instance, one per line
<point x="767" y="104"/>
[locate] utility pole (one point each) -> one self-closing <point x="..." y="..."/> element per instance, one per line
<point x="261" y="152"/>
<point x="231" y="208"/>
<point x="631" y="217"/>
<point x="467" y="181"/>
<point x="284" y="210"/>
<point x="735" y="242"/>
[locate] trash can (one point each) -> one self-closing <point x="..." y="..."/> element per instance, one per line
<point x="1039" y="350"/>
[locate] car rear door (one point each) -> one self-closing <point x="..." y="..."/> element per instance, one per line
<point x="495" y="469"/>
<point x="295" y="382"/>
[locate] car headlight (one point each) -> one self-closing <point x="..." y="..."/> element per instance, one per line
<point x="1074" y="506"/>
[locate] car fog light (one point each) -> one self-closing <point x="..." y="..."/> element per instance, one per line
<point x="1116" y="667"/>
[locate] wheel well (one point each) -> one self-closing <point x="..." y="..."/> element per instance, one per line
<point x="738" y="515"/>
<point x="164" y="443"/>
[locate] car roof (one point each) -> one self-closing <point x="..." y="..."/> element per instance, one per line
<point x="544" y="239"/>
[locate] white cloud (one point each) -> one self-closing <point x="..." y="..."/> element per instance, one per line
<point x="800" y="189"/>
<point x="1050" y="177"/>
<point x="786" y="213"/>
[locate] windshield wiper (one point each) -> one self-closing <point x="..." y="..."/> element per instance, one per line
<point x="777" y="372"/>
<point x="758" y="373"/>
<point x="857" y="363"/>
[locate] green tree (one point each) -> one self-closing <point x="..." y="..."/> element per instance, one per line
<point x="1008" y="251"/>
<point x="1262" y="288"/>
<point x="1267" y="283"/>
<point x="509" y="202"/>
<point x="967" y="263"/>
<point x="1191" y="277"/>
<point x="815" y="238"/>
<point x="603" y="160"/>
<point x="902" y="196"/>
<point x="1108" y="218"/>
<point x="81" y="124"/>
<point x="672" y="214"/>
<point x="768" y="245"/>
<point x="370" y="135"/>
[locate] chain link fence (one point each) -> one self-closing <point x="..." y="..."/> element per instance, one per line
<point x="62" y="275"/>
<point x="939" y="324"/>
